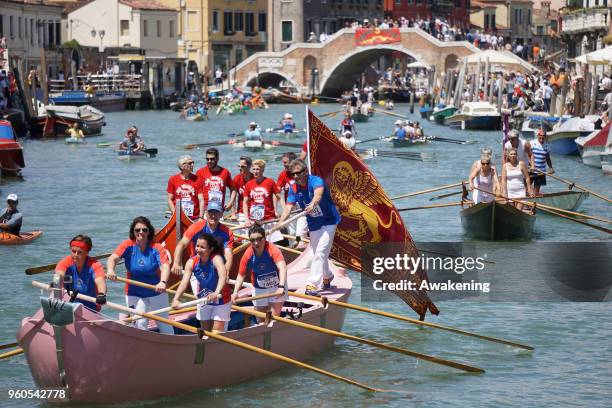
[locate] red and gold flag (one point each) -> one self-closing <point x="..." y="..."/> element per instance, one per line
<point x="368" y="216"/>
<point x="374" y="36"/>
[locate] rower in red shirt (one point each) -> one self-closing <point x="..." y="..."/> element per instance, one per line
<point x="284" y="179"/>
<point x="239" y="182"/>
<point x="260" y="196"/>
<point x="214" y="180"/>
<point x="185" y="186"/>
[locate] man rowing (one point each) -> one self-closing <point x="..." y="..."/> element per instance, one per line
<point x="299" y="227"/>
<point x="186" y="188"/>
<point x="541" y="157"/>
<point x="523" y="148"/>
<point x="399" y="132"/>
<point x="287" y="123"/>
<point x="261" y="195"/>
<point x="215" y="180"/>
<point x="243" y="177"/>
<point x="253" y="132"/>
<point x="11" y="219"/>
<point x="132" y="142"/>
<point x="313" y="196"/>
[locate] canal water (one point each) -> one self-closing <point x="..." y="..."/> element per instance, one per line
<point x="66" y="190"/>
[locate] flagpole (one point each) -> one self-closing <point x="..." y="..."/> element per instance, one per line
<point x="308" y="139"/>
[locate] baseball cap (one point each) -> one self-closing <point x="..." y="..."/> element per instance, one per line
<point x="12" y="197"/>
<point x="214" y="206"/>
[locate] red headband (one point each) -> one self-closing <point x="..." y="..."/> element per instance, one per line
<point x="80" y="244"/>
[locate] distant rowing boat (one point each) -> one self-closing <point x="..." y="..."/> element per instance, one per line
<point x="23" y="238"/>
<point x="496" y="222"/>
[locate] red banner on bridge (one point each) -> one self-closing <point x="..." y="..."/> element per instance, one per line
<point x="368" y="36"/>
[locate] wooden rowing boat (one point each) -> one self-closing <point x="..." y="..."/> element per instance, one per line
<point x="162" y="365"/>
<point x="566" y="200"/>
<point x="440" y="115"/>
<point x="406" y="142"/>
<point x="359" y="117"/>
<point x="21" y="239"/>
<point x="495" y="221"/>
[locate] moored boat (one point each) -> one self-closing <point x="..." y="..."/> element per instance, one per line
<point x="562" y="137"/>
<point x="60" y="118"/>
<point x="183" y="363"/>
<point x="477" y="116"/>
<point x="532" y="123"/>
<point x="566" y="200"/>
<point x="495" y="221"/>
<point x="425" y="112"/>
<point x="606" y="161"/>
<point x="11" y="152"/>
<point x="21" y="239"/>
<point x="594" y="144"/>
<point x="104" y="101"/>
<point x="439" y="115"/>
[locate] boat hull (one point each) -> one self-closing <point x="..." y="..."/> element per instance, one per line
<point x="564" y="143"/>
<point x="496" y="222"/>
<point x="115" y="102"/>
<point x="606" y="164"/>
<point x="482" y="123"/>
<point x="566" y="200"/>
<point x="441" y="115"/>
<point x="11" y="157"/>
<point x="162" y="365"/>
<point x="21" y="239"/>
<point x="360" y="117"/>
<point x="398" y="143"/>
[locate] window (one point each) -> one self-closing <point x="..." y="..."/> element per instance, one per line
<point x="262" y="22"/>
<point x="158" y="28"/>
<point x="125" y="28"/>
<point x="58" y="33"/>
<point x="192" y="21"/>
<point x="228" y="23"/>
<point x="215" y="21"/>
<point x="493" y="21"/>
<point x="25" y="27"/>
<point x="458" y="3"/>
<point x="19" y="26"/>
<point x="1" y="25"/>
<point x="11" y="29"/>
<point x="529" y="17"/>
<point x="250" y="23"/>
<point x="51" y="33"/>
<point x="145" y="28"/>
<point x="287" y="31"/>
<point x="239" y="19"/>
<point x="171" y="28"/>
<point x="486" y="22"/>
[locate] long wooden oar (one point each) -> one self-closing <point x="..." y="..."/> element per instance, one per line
<point x="572" y="184"/>
<point x="429" y="190"/>
<point x="414" y="321"/>
<point x="49" y="267"/>
<point x="449" y="140"/>
<point x="397" y="115"/>
<point x="568" y="212"/>
<point x="439" y="197"/>
<point x="207" y="144"/>
<point x="425" y="207"/>
<point x="224" y="339"/>
<point x="426" y="357"/>
<point x="9" y="345"/>
<point x="330" y="114"/>
<point x="15" y="352"/>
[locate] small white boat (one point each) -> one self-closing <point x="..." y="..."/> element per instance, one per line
<point x="75" y="140"/>
<point x="532" y="123"/>
<point x="562" y="137"/>
<point x="477" y="116"/>
<point x="594" y="144"/>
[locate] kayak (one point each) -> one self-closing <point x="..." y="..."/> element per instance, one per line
<point x="21" y="239"/>
<point x="196" y="118"/>
<point x="131" y="155"/>
<point x="74" y="140"/>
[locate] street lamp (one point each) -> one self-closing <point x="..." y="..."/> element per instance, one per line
<point x="101" y="34"/>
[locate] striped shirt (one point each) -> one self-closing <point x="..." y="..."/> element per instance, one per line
<point x="540" y="151"/>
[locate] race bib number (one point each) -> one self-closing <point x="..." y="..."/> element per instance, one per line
<point x="216" y="196"/>
<point x="257" y="212"/>
<point x="316" y="212"/>
<point x="187" y="206"/>
<point x="268" y="280"/>
<point x="204" y="293"/>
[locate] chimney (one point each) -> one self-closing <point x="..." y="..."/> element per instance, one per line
<point x="545" y="5"/>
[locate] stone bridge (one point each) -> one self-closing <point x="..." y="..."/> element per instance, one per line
<point x="340" y="62"/>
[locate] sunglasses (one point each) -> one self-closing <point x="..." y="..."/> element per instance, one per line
<point x="256" y="239"/>
<point x="189" y="163"/>
<point x="143" y="230"/>
<point x="241" y="166"/>
<point x="297" y="173"/>
<point x="211" y="159"/>
<point x="484" y="163"/>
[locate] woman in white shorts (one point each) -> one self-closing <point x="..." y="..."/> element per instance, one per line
<point x="266" y="266"/>
<point x="208" y="268"/>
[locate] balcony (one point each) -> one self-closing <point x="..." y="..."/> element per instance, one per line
<point x="585" y="20"/>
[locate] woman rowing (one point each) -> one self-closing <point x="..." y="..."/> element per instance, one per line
<point x="260" y="197"/>
<point x="348" y="124"/>
<point x="266" y="266"/>
<point x="82" y="274"/>
<point x="208" y="269"/>
<point x="484" y="183"/>
<point x="515" y="178"/>
<point x="147" y="262"/>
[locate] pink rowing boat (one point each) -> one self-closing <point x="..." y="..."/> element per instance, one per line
<point x="108" y="362"/>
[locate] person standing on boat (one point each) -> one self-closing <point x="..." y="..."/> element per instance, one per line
<point x="523" y="148"/>
<point x="485" y="152"/>
<point x="313" y="196"/>
<point x="515" y="178"/>
<point x="75" y="132"/>
<point x="266" y="266"/>
<point x="261" y="195"/>
<point x="208" y="271"/>
<point x="399" y="132"/>
<point x="287" y="123"/>
<point x="347" y="123"/>
<point x="86" y="275"/>
<point x="185" y="186"/>
<point x="147" y="262"/>
<point x="11" y="219"/>
<point x="211" y="225"/>
<point x="253" y="132"/>
<point x="215" y="180"/>
<point x="484" y="183"/>
<point x="541" y="158"/>
<point x="243" y="177"/>
<point x="299" y="227"/>
<point x="132" y="141"/>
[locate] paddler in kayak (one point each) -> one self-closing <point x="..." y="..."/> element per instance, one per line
<point x="203" y="110"/>
<point x="287" y="123"/>
<point x="75" y="132"/>
<point x="11" y="219"/>
<point x="132" y="141"/>
<point x="253" y="132"/>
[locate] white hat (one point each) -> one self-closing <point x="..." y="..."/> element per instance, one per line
<point x="12" y="197"/>
<point x="288" y="116"/>
<point x="398" y="122"/>
<point x="252" y="124"/>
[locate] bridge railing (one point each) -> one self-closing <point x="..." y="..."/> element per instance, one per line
<point x="108" y="83"/>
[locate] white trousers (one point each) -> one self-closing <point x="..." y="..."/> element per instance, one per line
<point x="321" y="242"/>
<point x="299" y="227"/>
<point x="149" y="304"/>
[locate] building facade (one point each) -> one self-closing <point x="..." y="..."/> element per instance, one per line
<point x="329" y="16"/>
<point x="28" y="26"/>
<point x="584" y="23"/>
<point x="286" y="22"/>
<point x="545" y="28"/>
<point x="455" y="12"/>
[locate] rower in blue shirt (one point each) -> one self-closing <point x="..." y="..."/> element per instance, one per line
<point x="399" y="132"/>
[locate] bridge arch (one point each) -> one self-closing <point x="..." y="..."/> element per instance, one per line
<point x="343" y="74"/>
<point x="270" y="78"/>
